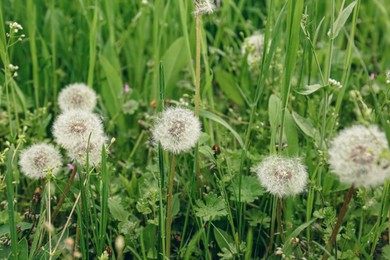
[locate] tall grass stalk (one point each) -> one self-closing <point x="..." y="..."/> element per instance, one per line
<point x="161" y="182"/>
<point x="10" y="201"/>
<point x="49" y="225"/>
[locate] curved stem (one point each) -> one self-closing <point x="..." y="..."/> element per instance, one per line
<point x="336" y="228"/>
<point x="66" y="191"/>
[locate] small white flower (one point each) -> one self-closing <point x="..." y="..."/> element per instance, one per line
<point x="177" y="129"/>
<point x="74" y="127"/>
<point x="36" y="160"/>
<point x="356" y="155"/>
<point x="282" y="176"/>
<point x="253" y="47"/>
<point x="77" y="96"/>
<point x="14" y="26"/>
<point x="79" y="151"/>
<point x="335" y="83"/>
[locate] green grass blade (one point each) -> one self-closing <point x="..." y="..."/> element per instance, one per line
<point x="10" y="200"/>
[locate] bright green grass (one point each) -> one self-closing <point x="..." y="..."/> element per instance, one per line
<point x="151" y="47"/>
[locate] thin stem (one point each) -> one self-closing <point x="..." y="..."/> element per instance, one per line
<point x="67" y="222"/>
<point x="336" y="228"/>
<point x="197" y="65"/>
<point x="49" y="218"/>
<point x="279" y="217"/>
<point x="169" y="207"/>
<point x="66" y="191"/>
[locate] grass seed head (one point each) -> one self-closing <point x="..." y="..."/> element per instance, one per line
<point x="357" y="156"/>
<point x="77" y="96"/>
<point x="38" y="159"/>
<point x="177" y="129"/>
<point x="282" y="176"/>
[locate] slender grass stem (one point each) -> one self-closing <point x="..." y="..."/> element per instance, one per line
<point x="66" y="191"/>
<point x="49" y="219"/>
<point x="343" y="211"/>
<point x="169" y="207"/>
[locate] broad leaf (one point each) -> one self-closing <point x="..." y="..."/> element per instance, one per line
<point x="250" y="189"/>
<point x="211" y="209"/>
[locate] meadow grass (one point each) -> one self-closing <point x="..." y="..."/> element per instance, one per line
<point x="140" y="57"/>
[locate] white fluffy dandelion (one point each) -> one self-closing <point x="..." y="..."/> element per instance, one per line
<point x="80" y="151"/>
<point x="253" y="47"/>
<point x="74" y="127"/>
<point x="177" y="129"/>
<point x="38" y="159"/>
<point x="357" y="156"/>
<point x="77" y="96"/>
<point x="282" y="176"/>
<point x="204" y="7"/>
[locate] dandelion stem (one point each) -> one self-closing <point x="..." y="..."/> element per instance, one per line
<point x="66" y="191"/>
<point x="279" y="218"/>
<point x="336" y="228"/>
<point x="169" y="207"/>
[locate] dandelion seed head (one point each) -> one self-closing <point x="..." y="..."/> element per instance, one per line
<point x="36" y="160"/>
<point x="282" y="176"/>
<point x="177" y="129"/>
<point x="356" y="156"/>
<point x="77" y="96"/>
<point x="204" y="7"/>
<point x="74" y="127"/>
<point x="80" y="150"/>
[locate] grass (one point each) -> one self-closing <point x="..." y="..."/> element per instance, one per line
<point x="213" y="206"/>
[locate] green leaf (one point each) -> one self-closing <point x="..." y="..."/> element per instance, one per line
<point x="223" y="238"/>
<point x="305" y="125"/>
<point x="212" y="209"/>
<point x="227" y="83"/>
<point x="116" y="209"/>
<point x="307" y="90"/>
<point x="291" y="135"/>
<point x="341" y="19"/>
<point x="23" y="249"/>
<point x="174" y="60"/>
<point x="250" y="189"/>
<point x="386" y="252"/>
<point x="222" y="122"/>
<point x="175" y="205"/>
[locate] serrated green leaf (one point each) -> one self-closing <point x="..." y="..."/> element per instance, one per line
<point x="307" y="90"/>
<point x="386" y="252"/>
<point x="250" y="189"/>
<point x="211" y="209"/>
<point x="341" y="19"/>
